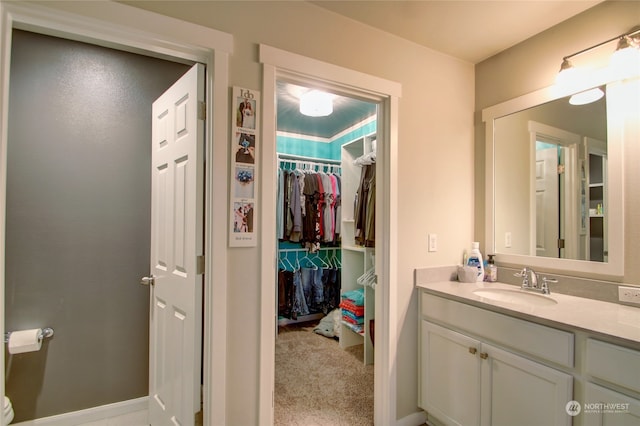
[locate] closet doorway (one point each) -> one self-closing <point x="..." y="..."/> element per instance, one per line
<point x="325" y="226"/>
<point x="385" y="94"/>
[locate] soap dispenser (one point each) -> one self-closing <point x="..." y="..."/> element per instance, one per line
<point x="491" y="272"/>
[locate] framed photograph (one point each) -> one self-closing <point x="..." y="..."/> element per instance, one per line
<point x="244" y="145"/>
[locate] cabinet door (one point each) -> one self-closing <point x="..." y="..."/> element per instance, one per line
<point x="604" y="407"/>
<point x="450" y="376"/>
<point x="517" y="391"/>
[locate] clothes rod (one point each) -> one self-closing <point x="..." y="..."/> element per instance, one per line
<point x="293" y="157"/>
<point x="306" y="250"/>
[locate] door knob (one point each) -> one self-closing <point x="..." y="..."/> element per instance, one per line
<point x="148" y="280"/>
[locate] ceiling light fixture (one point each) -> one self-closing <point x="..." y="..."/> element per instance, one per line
<point x="316" y="103"/>
<point x="624" y="63"/>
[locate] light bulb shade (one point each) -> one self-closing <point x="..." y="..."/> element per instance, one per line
<point x="316" y="103"/>
<point x="625" y="61"/>
<point x="567" y="73"/>
<point x="586" y="97"/>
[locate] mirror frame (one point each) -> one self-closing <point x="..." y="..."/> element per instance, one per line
<point x="615" y="210"/>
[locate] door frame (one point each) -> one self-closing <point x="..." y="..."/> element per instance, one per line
<point x="134" y="30"/>
<point x="282" y="64"/>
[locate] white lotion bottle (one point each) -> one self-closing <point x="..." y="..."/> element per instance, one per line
<point x="475" y="259"/>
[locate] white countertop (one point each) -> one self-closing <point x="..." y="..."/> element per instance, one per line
<point x="610" y="319"/>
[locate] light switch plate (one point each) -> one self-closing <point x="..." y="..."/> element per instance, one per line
<point x="433" y="242"/>
<point x="507" y="239"/>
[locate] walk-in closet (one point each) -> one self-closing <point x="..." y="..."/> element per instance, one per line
<point x="326" y="280"/>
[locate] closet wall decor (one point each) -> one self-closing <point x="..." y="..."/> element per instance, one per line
<point x="244" y="150"/>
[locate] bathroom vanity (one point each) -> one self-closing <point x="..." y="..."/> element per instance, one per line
<point x="493" y="354"/>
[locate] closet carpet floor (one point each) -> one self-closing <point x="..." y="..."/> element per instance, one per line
<point x="319" y="384"/>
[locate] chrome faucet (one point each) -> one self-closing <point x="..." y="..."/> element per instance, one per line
<point x="530" y="281"/>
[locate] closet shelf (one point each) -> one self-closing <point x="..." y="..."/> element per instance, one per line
<point x="354" y="248"/>
<point x="349" y="326"/>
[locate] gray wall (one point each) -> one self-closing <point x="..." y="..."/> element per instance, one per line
<point x="78" y="220"/>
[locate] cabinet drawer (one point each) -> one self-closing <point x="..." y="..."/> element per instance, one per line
<point x="538" y="340"/>
<point x="615" y="364"/>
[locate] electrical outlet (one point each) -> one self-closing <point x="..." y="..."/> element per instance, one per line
<point x="507" y="239"/>
<point x="433" y="242"/>
<point x="629" y="294"/>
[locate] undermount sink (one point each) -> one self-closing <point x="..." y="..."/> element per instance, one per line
<point x="516" y="296"/>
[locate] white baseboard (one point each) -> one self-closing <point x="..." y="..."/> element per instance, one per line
<point x="415" y="419"/>
<point x="90" y="414"/>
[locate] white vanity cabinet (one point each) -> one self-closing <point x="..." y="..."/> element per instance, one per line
<point x="604" y="406"/>
<point x="472" y="374"/>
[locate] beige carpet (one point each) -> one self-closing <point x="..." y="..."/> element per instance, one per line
<point x="319" y="384"/>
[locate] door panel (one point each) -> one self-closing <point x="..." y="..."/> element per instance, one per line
<point x="518" y="391"/>
<point x="176" y="228"/>
<point x="547" y="221"/>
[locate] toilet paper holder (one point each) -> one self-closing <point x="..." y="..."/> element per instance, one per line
<point x="46" y="332"/>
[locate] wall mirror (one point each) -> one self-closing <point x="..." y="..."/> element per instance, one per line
<point x="555" y="180"/>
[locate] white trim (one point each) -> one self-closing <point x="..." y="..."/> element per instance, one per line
<point x="135" y="30"/>
<point x="304" y="66"/>
<point x="281" y="64"/>
<point x="318" y="139"/>
<point x="268" y="258"/>
<point x="414" y="419"/>
<point x="348" y="130"/>
<point x="91" y="414"/>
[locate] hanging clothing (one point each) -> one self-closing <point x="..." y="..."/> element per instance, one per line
<point x="308" y="207"/>
<point x="364" y="213"/>
<point x="308" y="290"/>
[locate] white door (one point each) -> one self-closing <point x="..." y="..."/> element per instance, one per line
<point x="176" y="243"/>
<point x="450" y="375"/>
<point x="518" y="391"/>
<point x="547" y="203"/>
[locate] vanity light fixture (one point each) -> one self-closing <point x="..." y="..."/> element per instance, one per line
<point x="624" y="62"/>
<point x="586" y="97"/>
<point x="316" y="103"/>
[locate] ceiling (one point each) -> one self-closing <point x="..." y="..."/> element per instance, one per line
<point x="472" y="31"/>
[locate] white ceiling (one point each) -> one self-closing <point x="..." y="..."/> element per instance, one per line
<point x="471" y="30"/>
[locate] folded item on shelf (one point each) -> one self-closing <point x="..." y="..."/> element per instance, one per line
<point x="355" y="296"/>
<point x="352" y="319"/>
<point x="356" y="310"/>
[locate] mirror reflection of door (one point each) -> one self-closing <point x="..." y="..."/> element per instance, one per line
<point x="547" y="201"/>
<point x="556" y="192"/>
